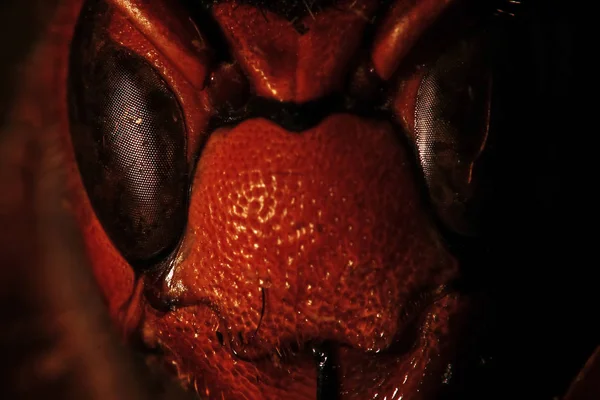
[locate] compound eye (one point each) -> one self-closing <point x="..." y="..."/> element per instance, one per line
<point x="451" y="127"/>
<point x="129" y="138"/>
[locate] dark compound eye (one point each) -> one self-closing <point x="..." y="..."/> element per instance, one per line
<point x="451" y="126"/>
<point x="129" y="138"/>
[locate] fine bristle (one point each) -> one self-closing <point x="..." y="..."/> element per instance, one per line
<point x="290" y="9"/>
<point x="508" y="8"/>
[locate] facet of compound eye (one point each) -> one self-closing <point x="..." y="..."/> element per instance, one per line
<point x="451" y="127"/>
<point x="129" y="138"/>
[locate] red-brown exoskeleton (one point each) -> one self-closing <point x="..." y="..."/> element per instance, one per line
<point x="262" y="187"/>
<point x="250" y="177"/>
